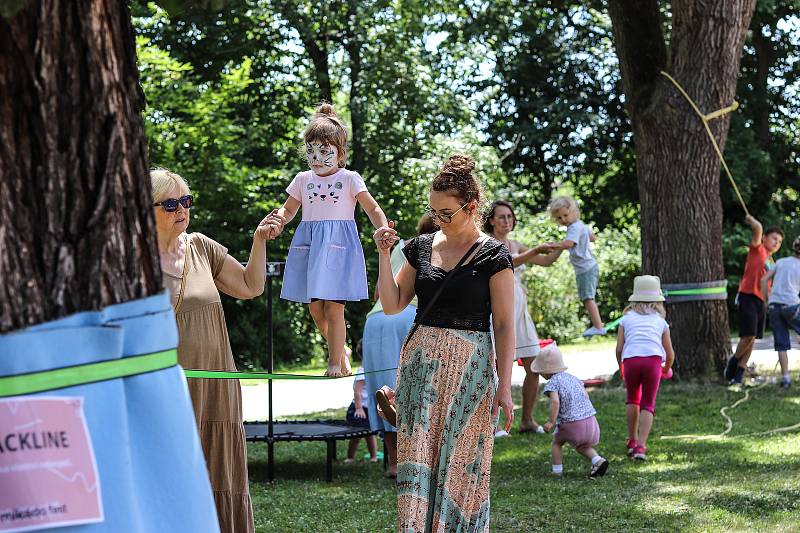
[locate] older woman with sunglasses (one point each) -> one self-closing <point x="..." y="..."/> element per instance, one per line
<point x="196" y="268"/>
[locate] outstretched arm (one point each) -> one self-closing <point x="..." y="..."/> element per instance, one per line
<point x="372" y="209"/>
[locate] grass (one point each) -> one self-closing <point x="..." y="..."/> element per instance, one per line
<point x="742" y="483"/>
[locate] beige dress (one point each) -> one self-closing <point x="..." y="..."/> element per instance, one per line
<point x="217" y="403"/>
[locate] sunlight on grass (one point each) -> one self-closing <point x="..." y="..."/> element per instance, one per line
<point x="743" y="483"/>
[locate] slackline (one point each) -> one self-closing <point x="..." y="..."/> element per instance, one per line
<point x="230" y="374"/>
<point x="73" y="376"/>
<point x="698" y="291"/>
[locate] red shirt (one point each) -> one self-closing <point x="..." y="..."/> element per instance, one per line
<point x="754" y="269"/>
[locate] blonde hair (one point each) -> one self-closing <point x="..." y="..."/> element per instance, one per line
<point x="162" y="181"/>
<point x="327" y="128"/>
<point x="560" y="202"/>
<point x="646" y="308"/>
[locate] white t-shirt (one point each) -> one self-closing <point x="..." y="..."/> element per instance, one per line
<point x="643" y="335"/>
<point x="327" y="197"/>
<point x="580" y="255"/>
<point x="786" y="282"/>
<point x="364" y="393"/>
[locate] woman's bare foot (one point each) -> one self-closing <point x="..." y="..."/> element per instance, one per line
<point x="530" y="427"/>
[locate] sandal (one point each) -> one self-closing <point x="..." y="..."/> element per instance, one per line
<point x="599" y="469"/>
<point x="389" y="411"/>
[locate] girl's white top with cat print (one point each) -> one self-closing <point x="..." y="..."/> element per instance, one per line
<point x="327" y="197"/>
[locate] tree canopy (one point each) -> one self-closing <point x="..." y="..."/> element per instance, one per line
<point x="533" y="89"/>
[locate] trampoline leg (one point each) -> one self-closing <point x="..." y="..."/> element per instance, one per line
<point x="331" y="456"/>
<point x="385" y="455"/>
<point x="270" y="461"/>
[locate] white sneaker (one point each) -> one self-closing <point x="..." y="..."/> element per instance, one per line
<point x="500" y="434"/>
<point x="594" y="331"/>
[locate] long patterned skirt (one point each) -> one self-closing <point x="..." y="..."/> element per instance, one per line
<point x="445" y="387"/>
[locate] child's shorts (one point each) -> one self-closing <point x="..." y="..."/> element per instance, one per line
<point x="587" y="283"/>
<point x="579" y="433"/>
<point x="642" y="380"/>
<point x="783" y="318"/>
<point x="351" y="416"/>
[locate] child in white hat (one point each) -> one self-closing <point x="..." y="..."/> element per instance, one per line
<point x="643" y="346"/>
<point x="571" y="412"/>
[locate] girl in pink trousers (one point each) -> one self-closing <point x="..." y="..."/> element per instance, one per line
<point x="644" y="354"/>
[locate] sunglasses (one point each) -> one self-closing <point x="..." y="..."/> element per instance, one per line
<point x="170" y="205"/>
<point x="444" y="217"/>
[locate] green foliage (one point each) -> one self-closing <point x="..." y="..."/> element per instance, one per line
<point x="531" y="89"/>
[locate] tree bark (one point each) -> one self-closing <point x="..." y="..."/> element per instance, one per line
<point x="76" y="226"/>
<point x="677" y="168"/>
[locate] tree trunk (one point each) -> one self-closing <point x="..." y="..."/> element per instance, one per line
<point x="76" y="226"/>
<point x="677" y="168"/>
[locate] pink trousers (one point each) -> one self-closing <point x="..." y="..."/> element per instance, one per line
<point x="642" y="379"/>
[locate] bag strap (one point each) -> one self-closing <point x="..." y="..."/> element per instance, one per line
<point x="186" y="257"/>
<point x="439" y="291"/>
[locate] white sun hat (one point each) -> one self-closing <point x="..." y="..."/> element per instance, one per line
<point x="646" y="289"/>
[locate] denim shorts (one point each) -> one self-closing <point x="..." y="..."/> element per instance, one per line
<point x="587" y="283"/>
<point x="782" y="318"/>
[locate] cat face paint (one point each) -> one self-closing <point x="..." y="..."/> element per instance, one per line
<point x="323" y="159"/>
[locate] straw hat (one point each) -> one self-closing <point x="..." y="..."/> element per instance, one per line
<point x="646" y="289"/>
<point x="549" y="361"/>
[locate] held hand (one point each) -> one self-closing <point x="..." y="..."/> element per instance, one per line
<point x="385" y="237"/>
<point x="592" y="237"/>
<point x="750" y="220"/>
<point x="503" y="399"/>
<point x="272" y="225"/>
<point x="548" y="426"/>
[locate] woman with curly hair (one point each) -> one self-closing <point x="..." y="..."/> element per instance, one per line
<point x="448" y="392"/>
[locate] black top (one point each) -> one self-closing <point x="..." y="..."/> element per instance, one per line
<point x="465" y="303"/>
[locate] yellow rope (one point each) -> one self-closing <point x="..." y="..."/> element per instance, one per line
<point x="729" y="424"/>
<point x="705" y="119"/>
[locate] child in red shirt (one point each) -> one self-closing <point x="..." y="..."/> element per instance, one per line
<point x="751" y="309"/>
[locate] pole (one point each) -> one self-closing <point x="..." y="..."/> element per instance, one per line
<point x="270" y="368"/>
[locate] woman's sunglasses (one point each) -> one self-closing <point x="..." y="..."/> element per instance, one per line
<point x="444" y="217"/>
<point x="170" y="205"/>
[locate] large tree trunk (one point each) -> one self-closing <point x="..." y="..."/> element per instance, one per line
<point x="76" y="227"/>
<point x="677" y="168"/>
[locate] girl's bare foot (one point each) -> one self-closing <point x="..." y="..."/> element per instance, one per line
<point x="347" y="369"/>
<point x="334" y="371"/>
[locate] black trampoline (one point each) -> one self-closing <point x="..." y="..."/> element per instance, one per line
<point x="302" y="431"/>
<point x="272" y="431"/>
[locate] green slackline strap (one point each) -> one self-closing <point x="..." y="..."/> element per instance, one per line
<point x="703" y="290"/>
<point x="72" y="376"/>
<point x="678" y="292"/>
<point x="230" y="374"/>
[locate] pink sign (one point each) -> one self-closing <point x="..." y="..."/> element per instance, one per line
<point x="48" y="473"/>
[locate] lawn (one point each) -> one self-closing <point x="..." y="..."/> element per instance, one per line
<point x="741" y="483"/>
